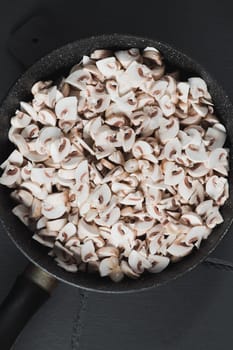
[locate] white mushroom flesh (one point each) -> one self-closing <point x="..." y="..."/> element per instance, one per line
<point x="122" y="168"/>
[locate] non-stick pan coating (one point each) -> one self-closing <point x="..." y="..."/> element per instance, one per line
<point x="57" y="64"/>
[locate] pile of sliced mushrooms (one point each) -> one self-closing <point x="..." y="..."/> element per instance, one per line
<point x="120" y="168"/>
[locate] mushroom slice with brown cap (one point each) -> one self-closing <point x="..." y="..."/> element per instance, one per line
<point x="117" y="157"/>
<point x="88" y="252"/>
<point x="66" y="108"/>
<point x="30" y="132"/>
<point x="185" y="188"/>
<point x="198" y="194"/>
<point x="40" y="86"/>
<point x="198" y="170"/>
<point x="133" y="198"/>
<point x="215" y="186"/>
<point x="198" y="87"/>
<point x="131" y="165"/>
<point x="82" y="173"/>
<point x="10" y="175"/>
<point x="142" y="226"/>
<point x="167" y="107"/>
<point x="204" y="207"/>
<point x="110" y="267"/>
<point x="108" y="67"/>
<point x="22" y="212"/>
<point x="141" y="148"/>
<point x="67" y="174"/>
<point x="125" y="104"/>
<point x="157" y="89"/>
<point x="200" y="109"/>
<point x="138" y="262"/>
<point x="23" y="197"/>
<point x="108" y="217"/>
<point x="68" y="231"/>
<point x="172" y="149"/>
<point x="173" y="174"/>
<point x="42" y="175"/>
<point x="15" y="158"/>
<point x="97" y="102"/>
<point x="27" y="107"/>
<point x="183" y="91"/>
<point x="196" y="153"/>
<point x="26" y="171"/>
<point x="126" y="136"/>
<point x="53" y="211"/>
<point x="57" y="200"/>
<point x="153" y="54"/>
<point x="213" y="218"/>
<point x="107" y="251"/>
<point x="41" y="223"/>
<point x="112" y="89"/>
<point x="225" y="195"/>
<point x="44" y="240"/>
<point x="158" y="262"/>
<point x="79" y="79"/>
<point x="60" y="149"/>
<point x="101" y="196"/>
<point x="47" y="117"/>
<point x="135" y="76"/>
<point x="47" y="135"/>
<point x="218" y="160"/>
<point x="21" y="120"/>
<point x="155" y="243"/>
<point x="169" y="129"/>
<point x="56" y="225"/>
<point x="214" y="138"/>
<point x="196" y="235"/>
<point x="121" y="235"/>
<point x="86" y="230"/>
<point x="191" y="219"/>
<point x="100" y="54"/>
<point x="126" y="57"/>
<point x="126" y="269"/>
<point x="179" y="249"/>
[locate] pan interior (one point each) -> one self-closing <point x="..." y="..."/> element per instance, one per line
<point x="56" y="65"/>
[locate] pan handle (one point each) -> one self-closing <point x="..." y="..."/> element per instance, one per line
<point x="29" y="292"/>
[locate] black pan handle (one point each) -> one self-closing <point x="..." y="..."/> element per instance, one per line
<point x="29" y="292"/>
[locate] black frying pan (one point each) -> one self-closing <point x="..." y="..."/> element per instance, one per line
<point x="34" y="286"/>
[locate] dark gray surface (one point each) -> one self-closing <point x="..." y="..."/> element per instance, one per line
<point x="196" y="311"/>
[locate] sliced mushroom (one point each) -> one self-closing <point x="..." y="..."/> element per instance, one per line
<point x="79" y="79"/>
<point x="172" y="149"/>
<point x="88" y="252"/>
<point x="56" y="225"/>
<point x="196" y="153"/>
<point x="60" y="149"/>
<point x="215" y="186"/>
<point x="126" y="57"/>
<point x="67" y="231"/>
<point x="108" y="67"/>
<point x="218" y="161"/>
<point x="169" y="129"/>
<point x="22" y="212"/>
<point x="158" y="262"/>
<point x="23" y="197"/>
<point x="138" y="262"/>
<point x="196" y="235"/>
<point x="66" y="108"/>
<point x="10" y="175"/>
<point x="126" y="269"/>
<point x="110" y="267"/>
<point x="173" y="174"/>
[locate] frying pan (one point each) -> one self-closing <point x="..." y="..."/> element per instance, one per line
<point x="34" y="286"/>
